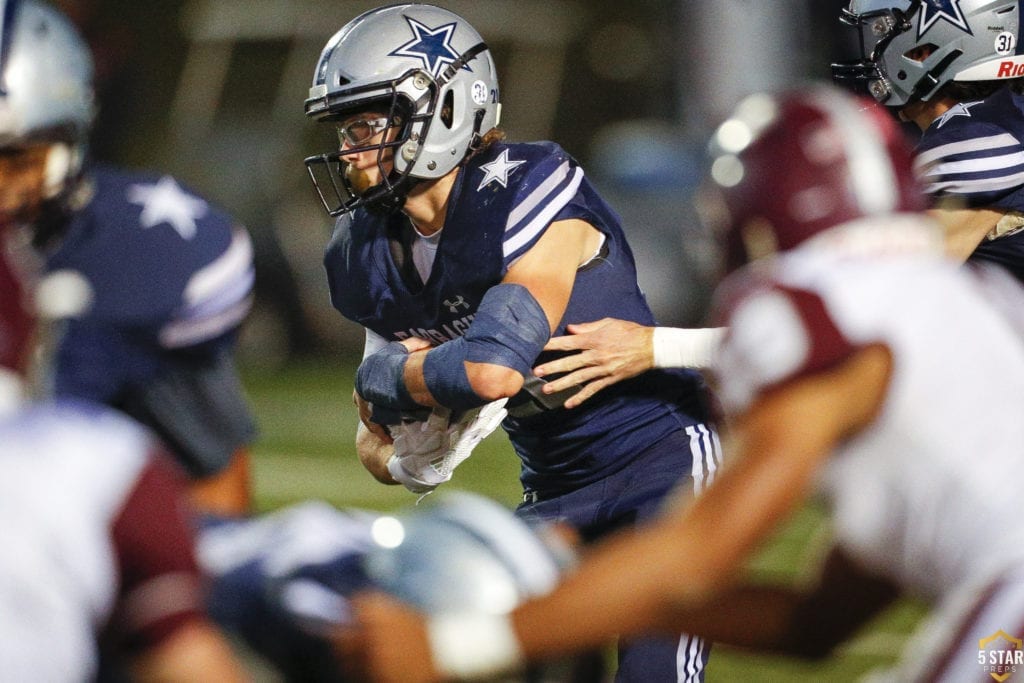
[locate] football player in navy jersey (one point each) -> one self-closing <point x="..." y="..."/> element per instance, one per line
<point x="99" y="559"/>
<point x="953" y="69"/>
<point x="163" y="277"/>
<point x="460" y="254"/>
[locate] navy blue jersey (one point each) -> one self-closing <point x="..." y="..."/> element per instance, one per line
<point x="974" y="153"/>
<point x="503" y="201"/>
<point x="169" y="278"/>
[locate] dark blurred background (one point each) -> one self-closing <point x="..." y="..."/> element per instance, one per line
<point x="212" y="91"/>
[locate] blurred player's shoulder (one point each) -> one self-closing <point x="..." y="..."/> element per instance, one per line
<point x="77" y="435"/>
<point x="145" y="244"/>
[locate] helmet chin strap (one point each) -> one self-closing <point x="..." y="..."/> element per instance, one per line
<point x="59" y="158"/>
<point x="389" y="196"/>
<point x="60" y="182"/>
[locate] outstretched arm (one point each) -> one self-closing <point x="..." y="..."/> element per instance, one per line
<point x="197" y="652"/>
<point x="778" y="446"/>
<point x="965" y="229"/>
<point x="610" y="350"/>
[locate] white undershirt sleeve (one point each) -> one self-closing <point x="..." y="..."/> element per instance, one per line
<point x="374" y="343"/>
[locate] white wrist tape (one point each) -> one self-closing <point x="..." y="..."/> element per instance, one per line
<point x="468" y="646"/>
<point x="685" y="348"/>
<point x="408" y="479"/>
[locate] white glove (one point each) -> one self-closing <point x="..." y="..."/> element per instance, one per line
<point x="427" y="452"/>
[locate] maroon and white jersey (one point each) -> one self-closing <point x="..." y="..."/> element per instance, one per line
<point x="96" y="546"/>
<point x="929" y="493"/>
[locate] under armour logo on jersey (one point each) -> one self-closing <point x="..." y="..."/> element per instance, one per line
<point x="948" y="10"/>
<point x="432" y="46"/>
<point x="498" y="171"/>
<point x="455" y="304"/>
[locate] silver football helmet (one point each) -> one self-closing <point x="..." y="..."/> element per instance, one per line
<point x="968" y="40"/>
<point x="463" y="553"/>
<point x="46" y="89"/>
<point x="425" y="70"/>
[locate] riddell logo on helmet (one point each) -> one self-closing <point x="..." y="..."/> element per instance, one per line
<point x="1010" y="69"/>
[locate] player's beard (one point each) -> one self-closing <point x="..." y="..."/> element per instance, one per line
<point x="358" y="180"/>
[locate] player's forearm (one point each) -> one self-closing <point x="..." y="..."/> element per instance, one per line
<point x="964" y="229"/>
<point x="196" y="652"/>
<point x="374" y="454"/>
<point x="487" y="382"/>
<point x="607" y="597"/>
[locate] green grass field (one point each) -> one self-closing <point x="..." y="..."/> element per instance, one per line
<point x="305" y="450"/>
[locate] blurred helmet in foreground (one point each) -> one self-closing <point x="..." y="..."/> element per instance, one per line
<point x="787" y="166"/>
<point x="425" y="70"/>
<point x="46" y="100"/>
<point x="463" y="552"/>
<point x="910" y="49"/>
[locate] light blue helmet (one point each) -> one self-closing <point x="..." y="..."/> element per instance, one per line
<point x="46" y="88"/>
<point x="463" y="553"/>
<point x="966" y="40"/>
<point x="430" y="71"/>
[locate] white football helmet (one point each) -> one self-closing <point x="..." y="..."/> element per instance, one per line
<point x="424" y="68"/>
<point x="46" y="89"/>
<point x="463" y="552"/>
<point x="969" y="40"/>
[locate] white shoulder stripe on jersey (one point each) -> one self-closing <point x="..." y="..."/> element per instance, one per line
<point x="224" y="299"/>
<point x="540" y="222"/>
<point x="217" y="297"/>
<point x="159" y="598"/>
<point x="986" y="164"/>
<point x="539" y="194"/>
<point x="221" y="273"/>
<point x="973" y="145"/>
<point x="181" y="333"/>
<point x="976" y="186"/>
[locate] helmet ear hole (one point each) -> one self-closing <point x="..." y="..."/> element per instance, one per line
<point x="448" y="109"/>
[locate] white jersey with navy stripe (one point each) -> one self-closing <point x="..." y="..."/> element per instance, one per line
<point x="79" y="499"/>
<point x="921" y="495"/>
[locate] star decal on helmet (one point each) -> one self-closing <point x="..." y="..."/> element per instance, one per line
<point x="498" y="171"/>
<point x="432" y="46"/>
<point x="947" y="10"/>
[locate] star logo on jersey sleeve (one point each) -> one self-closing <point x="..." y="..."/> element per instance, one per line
<point x="165" y="202"/>
<point x="959" y="109"/>
<point x="498" y="171"/>
<point x="947" y="10"/>
<point x="432" y="46"/>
